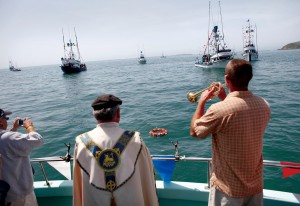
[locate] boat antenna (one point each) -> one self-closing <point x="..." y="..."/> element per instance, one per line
<point x="144" y="50"/>
<point x="221" y="22"/>
<point x="139" y="51"/>
<point x="62" y="30"/>
<point x="79" y="56"/>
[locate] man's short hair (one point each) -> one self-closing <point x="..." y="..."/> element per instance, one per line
<point x="239" y="71"/>
<point x="106" y="114"/>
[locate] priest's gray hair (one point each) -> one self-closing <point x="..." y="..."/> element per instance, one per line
<point x="106" y="113"/>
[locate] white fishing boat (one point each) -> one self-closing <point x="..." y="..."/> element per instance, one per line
<point x="216" y="52"/>
<point x="170" y="193"/>
<point x="142" y="59"/>
<point x="13" y="68"/>
<point x="71" y="63"/>
<point x="250" y="52"/>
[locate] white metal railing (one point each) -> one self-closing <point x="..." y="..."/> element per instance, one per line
<point x="176" y="157"/>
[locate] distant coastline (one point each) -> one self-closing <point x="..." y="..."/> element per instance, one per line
<point x="294" y="45"/>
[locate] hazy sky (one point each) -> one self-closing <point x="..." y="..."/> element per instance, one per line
<point x="31" y="30"/>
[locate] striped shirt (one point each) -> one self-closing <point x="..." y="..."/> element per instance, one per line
<point x="237" y="125"/>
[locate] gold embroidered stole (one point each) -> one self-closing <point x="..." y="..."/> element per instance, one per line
<point x="108" y="159"/>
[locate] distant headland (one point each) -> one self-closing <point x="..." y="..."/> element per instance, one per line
<point x="295" y="45"/>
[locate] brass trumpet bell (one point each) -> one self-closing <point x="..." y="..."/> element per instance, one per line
<point x="193" y="96"/>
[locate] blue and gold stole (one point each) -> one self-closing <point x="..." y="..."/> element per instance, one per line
<point x="109" y="159"/>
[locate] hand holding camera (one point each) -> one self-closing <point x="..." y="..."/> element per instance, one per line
<point x="26" y="122"/>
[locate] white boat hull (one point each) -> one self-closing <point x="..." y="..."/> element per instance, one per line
<point x="169" y="193"/>
<point x="250" y="57"/>
<point x="215" y="65"/>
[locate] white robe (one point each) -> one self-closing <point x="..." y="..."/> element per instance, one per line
<point x="89" y="179"/>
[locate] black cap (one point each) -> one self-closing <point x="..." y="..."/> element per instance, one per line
<point x="4" y="113"/>
<point x="106" y="101"/>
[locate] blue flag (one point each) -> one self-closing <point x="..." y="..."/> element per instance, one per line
<point x="164" y="167"/>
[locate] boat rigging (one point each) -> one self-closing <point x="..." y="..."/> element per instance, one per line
<point x="216" y="52"/>
<point x="250" y="53"/>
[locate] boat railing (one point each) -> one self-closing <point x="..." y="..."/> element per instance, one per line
<point x="176" y="157"/>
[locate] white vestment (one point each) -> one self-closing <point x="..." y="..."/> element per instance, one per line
<point x="134" y="177"/>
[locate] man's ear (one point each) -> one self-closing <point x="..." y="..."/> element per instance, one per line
<point x="226" y="79"/>
<point x="118" y="113"/>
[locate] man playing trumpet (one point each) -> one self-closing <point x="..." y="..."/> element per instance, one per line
<point x="237" y="125"/>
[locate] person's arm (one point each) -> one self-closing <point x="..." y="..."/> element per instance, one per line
<point x="23" y="144"/>
<point x="205" y="96"/>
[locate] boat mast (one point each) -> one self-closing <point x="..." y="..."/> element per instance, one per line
<point x="249" y="33"/>
<point x="62" y="30"/>
<point x="243" y="37"/>
<point x="79" y="57"/>
<point x="208" y="36"/>
<point x="223" y="36"/>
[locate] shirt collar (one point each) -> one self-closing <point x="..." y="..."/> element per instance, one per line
<point x="241" y="94"/>
<point x="108" y="124"/>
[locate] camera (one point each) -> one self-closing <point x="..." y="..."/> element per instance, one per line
<point x="20" y="122"/>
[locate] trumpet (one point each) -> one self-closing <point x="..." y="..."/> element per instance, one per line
<point x="193" y="96"/>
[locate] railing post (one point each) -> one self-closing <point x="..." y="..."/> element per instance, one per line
<point x="209" y="172"/>
<point x="44" y="173"/>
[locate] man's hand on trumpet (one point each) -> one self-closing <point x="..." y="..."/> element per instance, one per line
<point x="222" y="94"/>
<point x="216" y="89"/>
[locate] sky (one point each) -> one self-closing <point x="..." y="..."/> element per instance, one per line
<point x="31" y="30"/>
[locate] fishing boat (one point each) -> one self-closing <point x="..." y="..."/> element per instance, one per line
<point x="142" y="59"/>
<point x="162" y="56"/>
<point x="250" y="53"/>
<point x="175" y="193"/>
<point x="71" y="63"/>
<point x="216" y="52"/>
<point x="13" y="68"/>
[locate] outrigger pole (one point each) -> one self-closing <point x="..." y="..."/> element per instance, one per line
<point x="79" y="56"/>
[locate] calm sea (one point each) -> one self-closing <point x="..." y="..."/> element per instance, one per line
<point x="154" y="95"/>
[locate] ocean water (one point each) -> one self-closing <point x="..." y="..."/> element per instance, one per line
<point x="154" y="95"/>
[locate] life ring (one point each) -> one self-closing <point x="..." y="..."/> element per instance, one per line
<point x="158" y="132"/>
